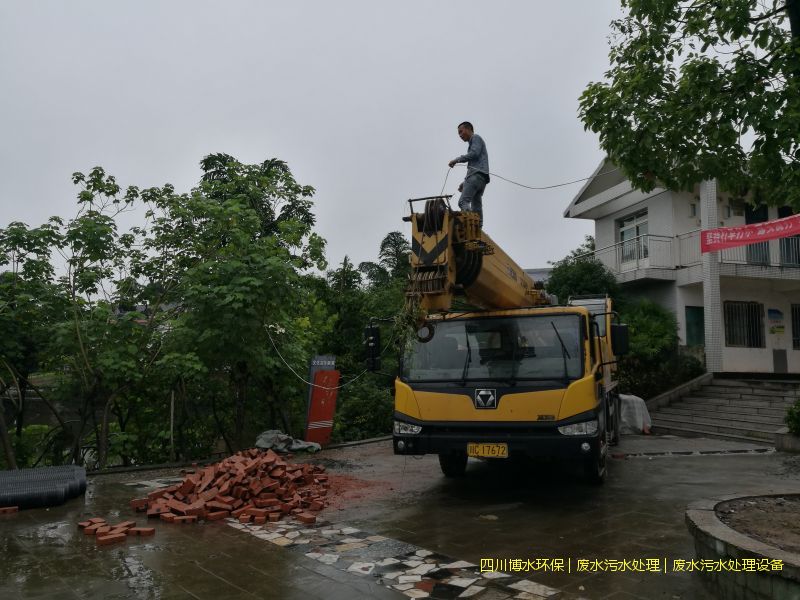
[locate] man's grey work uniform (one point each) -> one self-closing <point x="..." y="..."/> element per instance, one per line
<point x="477" y="160"/>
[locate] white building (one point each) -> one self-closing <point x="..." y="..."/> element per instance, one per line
<point x="741" y="306"/>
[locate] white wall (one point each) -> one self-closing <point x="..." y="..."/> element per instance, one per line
<point x="659" y="219"/>
<point x="682" y="222"/>
<point x="759" y="360"/>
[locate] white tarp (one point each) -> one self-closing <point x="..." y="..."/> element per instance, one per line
<point x="635" y="418"/>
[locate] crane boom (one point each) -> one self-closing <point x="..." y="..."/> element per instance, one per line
<point x="451" y="256"/>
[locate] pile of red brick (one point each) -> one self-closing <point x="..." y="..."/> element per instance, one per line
<point x="110" y="534"/>
<point x="251" y="486"/>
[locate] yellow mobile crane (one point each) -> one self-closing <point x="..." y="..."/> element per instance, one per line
<point x="513" y="374"/>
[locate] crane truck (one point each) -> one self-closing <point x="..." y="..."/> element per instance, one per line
<point x="498" y="369"/>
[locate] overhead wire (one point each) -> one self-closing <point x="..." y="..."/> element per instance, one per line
<point x="426" y="216"/>
<point x="321" y="387"/>
<point x="540" y="187"/>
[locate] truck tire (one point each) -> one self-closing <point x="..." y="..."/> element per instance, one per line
<point x="453" y="464"/>
<point x="594" y="468"/>
<point x="616" y="423"/>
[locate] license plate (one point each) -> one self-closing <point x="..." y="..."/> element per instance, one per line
<point x="487" y="450"/>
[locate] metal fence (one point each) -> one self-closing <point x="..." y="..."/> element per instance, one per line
<point x="642" y="252"/>
<point x="784" y="252"/>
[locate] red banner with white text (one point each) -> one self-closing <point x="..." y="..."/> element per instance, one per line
<point x="712" y="240"/>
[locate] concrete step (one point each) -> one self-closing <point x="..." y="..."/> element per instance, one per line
<point x="759" y="383"/>
<point x="725" y="392"/>
<point x="735" y="428"/>
<point x="727" y="415"/>
<point x="768" y="411"/>
<point x="719" y="421"/>
<point x="763" y="403"/>
<point x="688" y="431"/>
<point x="792" y="391"/>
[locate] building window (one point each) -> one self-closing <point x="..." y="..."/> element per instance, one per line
<point x="744" y="324"/>
<point x="692" y="210"/>
<point x="633" y="236"/>
<point x="796" y="326"/>
<point x="790" y="246"/>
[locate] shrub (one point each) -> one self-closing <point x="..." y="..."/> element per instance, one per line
<point x="793" y="418"/>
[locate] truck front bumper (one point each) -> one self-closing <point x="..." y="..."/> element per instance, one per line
<point x="534" y="440"/>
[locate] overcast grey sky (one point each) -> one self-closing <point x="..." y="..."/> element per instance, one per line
<point x="361" y="98"/>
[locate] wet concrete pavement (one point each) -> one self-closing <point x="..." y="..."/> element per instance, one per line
<point x="498" y="511"/>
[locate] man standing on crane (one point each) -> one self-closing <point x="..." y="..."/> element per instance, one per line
<point x="477" y="160"/>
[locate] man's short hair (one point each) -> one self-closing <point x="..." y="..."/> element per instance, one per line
<point x="466" y="124"/>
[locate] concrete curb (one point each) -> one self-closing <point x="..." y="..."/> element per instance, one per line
<point x="208" y="461"/>
<point x="385" y="438"/>
<point x="679" y="392"/>
<point x="716" y="541"/>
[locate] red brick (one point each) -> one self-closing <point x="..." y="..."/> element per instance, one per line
<point x="102" y="530"/>
<point x="92" y="529"/>
<point x="274" y="517"/>
<point x="139" y="504"/>
<point x="259" y="520"/>
<point x="7" y="510"/>
<point x="110" y="539"/>
<point x="316" y="506"/>
<point x="186" y="519"/>
<point x="216" y="516"/>
<point x="156" y="511"/>
<point x="168" y="517"/>
<point x="256" y="512"/>
<point x="124" y="525"/>
<point x="97" y="520"/>
<point x="209" y="494"/>
<point x="83" y="524"/>
<point x="156" y="494"/>
<point x="177" y="507"/>
<point x="244" y="518"/>
<point x="306" y="518"/>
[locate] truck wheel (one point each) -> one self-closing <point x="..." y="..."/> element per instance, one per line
<point x="453" y="464"/>
<point x="595" y="468"/>
<point x="616" y="423"/>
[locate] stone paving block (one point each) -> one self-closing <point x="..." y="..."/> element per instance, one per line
<point x="471" y="591"/>
<point x="533" y="588"/>
<point x="361" y="568"/>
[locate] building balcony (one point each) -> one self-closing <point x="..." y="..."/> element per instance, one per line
<point x="678" y="258"/>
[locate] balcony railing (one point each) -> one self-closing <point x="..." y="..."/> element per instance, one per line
<point x="784" y="252"/>
<point x="663" y="252"/>
<point x="642" y="252"/>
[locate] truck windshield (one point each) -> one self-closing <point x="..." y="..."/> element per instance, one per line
<point x="503" y="348"/>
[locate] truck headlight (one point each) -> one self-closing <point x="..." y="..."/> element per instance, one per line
<point x="403" y="428"/>
<point x="582" y="428"/>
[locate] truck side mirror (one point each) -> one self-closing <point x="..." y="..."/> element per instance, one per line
<point x="372" y="344"/>
<point x="620" y="343"/>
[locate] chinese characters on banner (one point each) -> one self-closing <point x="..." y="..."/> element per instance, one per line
<point x="731" y="237"/>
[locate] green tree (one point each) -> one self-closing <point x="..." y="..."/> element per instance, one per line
<point x="700" y="90"/>
<point x="654" y="363"/>
<point x="581" y="273"/>
<point x="29" y="306"/>
<point x="238" y="246"/>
